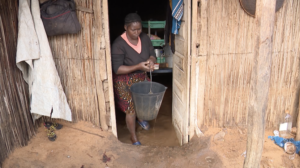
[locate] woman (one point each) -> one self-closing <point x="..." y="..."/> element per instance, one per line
<point x="132" y="56"/>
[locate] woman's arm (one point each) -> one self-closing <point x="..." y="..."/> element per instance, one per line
<point x="152" y="58"/>
<point x="124" y="69"/>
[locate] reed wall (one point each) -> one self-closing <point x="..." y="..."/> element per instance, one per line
<point x="16" y="125"/>
<point x="81" y="63"/>
<point x="228" y="50"/>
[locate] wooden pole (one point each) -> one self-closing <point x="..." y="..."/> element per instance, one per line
<point x="298" y="126"/>
<point x="202" y="61"/>
<point x="100" y="75"/>
<point x="193" y="87"/>
<point x="109" y="68"/>
<point x="260" y="81"/>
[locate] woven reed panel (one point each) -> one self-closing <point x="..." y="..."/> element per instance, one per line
<point x="16" y="125"/>
<point x="83" y="72"/>
<point x="229" y="51"/>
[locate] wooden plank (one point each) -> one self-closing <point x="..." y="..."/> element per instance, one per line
<point x="83" y="9"/>
<point x="108" y="67"/>
<point x="182" y="30"/>
<point x="179" y="60"/>
<point x="260" y="81"/>
<point x="179" y="76"/>
<point x="180" y="45"/>
<point x="198" y="70"/>
<point x="187" y="71"/>
<point x="298" y="127"/>
<point x="178" y="103"/>
<point x="177" y="123"/>
<point x="178" y="90"/>
<point x="193" y="84"/>
<point x="100" y="71"/>
<point x="201" y="70"/>
<point x="202" y="35"/>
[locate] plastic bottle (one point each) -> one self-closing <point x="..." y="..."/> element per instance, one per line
<point x="286" y="125"/>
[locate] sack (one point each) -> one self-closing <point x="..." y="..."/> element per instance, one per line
<point x="59" y="17"/>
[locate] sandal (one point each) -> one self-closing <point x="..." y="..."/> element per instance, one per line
<point x="54" y="124"/>
<point x="137" y="143"/>
<point x="51" y="134"/>
<point x="144" y="124"/>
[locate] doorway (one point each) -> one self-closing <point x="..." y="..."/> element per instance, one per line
<point x="162" y="132"/>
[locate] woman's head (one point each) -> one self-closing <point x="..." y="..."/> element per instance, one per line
<point x="133" y="25"/>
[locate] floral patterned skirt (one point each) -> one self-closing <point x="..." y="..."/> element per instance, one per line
<point x="122" y="83"/>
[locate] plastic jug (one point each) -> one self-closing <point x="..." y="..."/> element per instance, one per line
<point x="285" y="125"/>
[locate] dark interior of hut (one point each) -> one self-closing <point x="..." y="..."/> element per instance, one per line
<point x="162" y="132"/>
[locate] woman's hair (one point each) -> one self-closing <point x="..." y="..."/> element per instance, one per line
<point x="132" y="17"/>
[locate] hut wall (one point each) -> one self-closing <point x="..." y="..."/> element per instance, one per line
<point x="16" y="125"/>
<point x="226" y="38"/>
<point x="81" y="63"/>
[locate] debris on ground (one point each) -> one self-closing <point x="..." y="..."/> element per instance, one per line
<point x="219" y="136"/>
<point x="105" y="158"/>
<point x="244" y="154"/>
<point x="266" y="162"/>
<point x="292" y="157"/>
<point x="287" y="144"/>
<point x="240" y="130"/>
<point x="89" y="155"/>
<point x="209" y="159"/>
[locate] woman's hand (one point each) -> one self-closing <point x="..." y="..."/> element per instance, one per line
<point x="150" y="65"/>
<point x="144" y="66"/>
<point x="151" y="62"/>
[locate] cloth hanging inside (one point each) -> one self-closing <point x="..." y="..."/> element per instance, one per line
<point x="169" y="37"/>
<point x="177" y="13"/>
<point x="34" y="59"/>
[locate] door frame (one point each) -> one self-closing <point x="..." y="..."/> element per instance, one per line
<point x="198" y="65"/>
<point x="192" y="76"/>
<point x="109" y="68"/>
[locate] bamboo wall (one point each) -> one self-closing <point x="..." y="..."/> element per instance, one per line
<point x="16" y="126"/>
<point x="81" y="63"/>
<point x="226" y="37"/>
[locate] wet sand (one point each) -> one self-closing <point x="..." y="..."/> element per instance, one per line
<point x="161" y="132"/>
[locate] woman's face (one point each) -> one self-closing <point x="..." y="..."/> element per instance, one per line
<point x="133" y="30"/>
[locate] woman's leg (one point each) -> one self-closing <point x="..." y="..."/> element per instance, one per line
<point x="123" y="98"/>
<point x="130" y="121"/>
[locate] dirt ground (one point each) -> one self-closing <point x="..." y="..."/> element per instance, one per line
<point x="82" y="145"/>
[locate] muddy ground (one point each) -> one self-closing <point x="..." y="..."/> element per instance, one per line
<point x="83" y="145"/>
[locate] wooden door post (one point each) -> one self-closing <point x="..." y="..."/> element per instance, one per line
<point x="298" y="126"/>
<point x="260" y="80"/>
